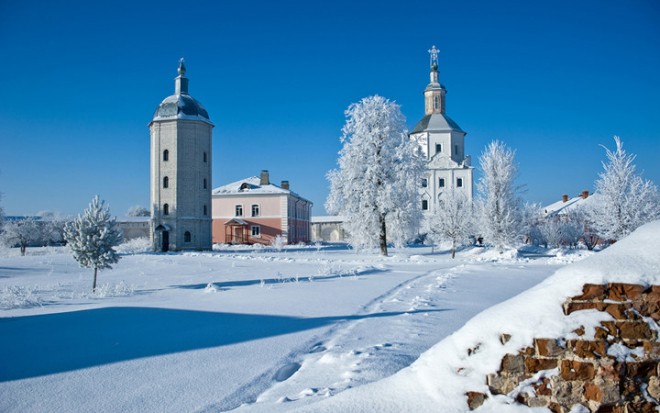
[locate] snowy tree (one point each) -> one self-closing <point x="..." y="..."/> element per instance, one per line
<point x="499" y="207"/>
<point x="626" y="200"/>
<point x="452" y="219"/>
<point x="375" y="187"/>
<point x="92" y="237"/>
<point x="138" y="211"/>
<point x="21" y="233"/>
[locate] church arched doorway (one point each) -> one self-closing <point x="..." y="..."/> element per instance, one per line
<point x="165" y="241"/>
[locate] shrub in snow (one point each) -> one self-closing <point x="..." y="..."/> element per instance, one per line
<point x="452" y="220"/>
<point x="15" y="296"/>
<point x="116" y="290"/>
<point x="278" y="242"/>
<point x="92" y="237"/>
<point x="626" y="200"/>
<point x="375" y="187"/>
<point x="135" y="246"/>
<point x="499" y="208"/>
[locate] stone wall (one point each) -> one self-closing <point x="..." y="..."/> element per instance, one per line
<point x="615" y="371"/>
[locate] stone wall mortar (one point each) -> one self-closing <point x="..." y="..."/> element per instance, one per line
<point x="567" y="371"/>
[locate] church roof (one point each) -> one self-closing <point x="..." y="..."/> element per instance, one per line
<point x="181" y="107"/>
<point x="436" y="122"/>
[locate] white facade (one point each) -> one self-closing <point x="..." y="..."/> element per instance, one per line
<point x="181" y="172"/>
<point x="442" y="143"/>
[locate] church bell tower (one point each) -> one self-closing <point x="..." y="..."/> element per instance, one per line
<point x="180" y="171"/>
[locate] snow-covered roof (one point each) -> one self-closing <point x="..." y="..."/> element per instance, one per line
<point x="436" y="122"/>
<point x="181" y="106"/>
<point x="327" y="219"/>
<point x="252" y="186"/>
<point x="561" y="207"/>
<point x="133" y="219"/>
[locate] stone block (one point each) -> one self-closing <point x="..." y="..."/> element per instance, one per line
<point x="513" y="364"/>
<point x="588" y="349"/>
<point x="504" y="338"/>
<point x="534" y="364"/>
<point x="555" y="407"/>
<point x="654" y="387"/>
<point x="592" y="292"/>
<point x="648" y="308"/>
<point x="611" y="408"/>
<point x="576" y="370"/>
<point x="547" y="347"/>
<point x="620" y="311"/>
<point x="543" y="387"/>
<point x="501" y="385"/>
<point x="475" y="399"/>
<point x="642" y="369"/>
<point x="579" y="331"/>
<point x="642" y="406"/>
<point x="593" y="392"/>
<point x="572" y="306"/>
<point x="623" y="291"/>
<point x="635" y="330"/>
<point x="568" y="393"/>
<point x="610" y="369"/>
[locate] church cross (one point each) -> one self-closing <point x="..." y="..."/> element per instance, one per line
<point x="433" y="51"/>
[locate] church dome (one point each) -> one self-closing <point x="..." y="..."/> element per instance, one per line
<point x="436" y="122"/>
<point x="181" y="105"/>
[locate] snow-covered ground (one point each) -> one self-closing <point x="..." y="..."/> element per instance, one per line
<point x="247" y="329"/>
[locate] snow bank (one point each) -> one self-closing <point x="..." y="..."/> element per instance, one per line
<point x="439" y="379"/>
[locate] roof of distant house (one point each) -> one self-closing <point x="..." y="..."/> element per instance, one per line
<point x="252" y="186"/>
<point x="563" y="207"/>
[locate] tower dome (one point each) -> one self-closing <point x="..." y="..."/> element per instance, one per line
<point x="181" y="105"/>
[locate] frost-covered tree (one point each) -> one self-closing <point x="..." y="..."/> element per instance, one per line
<point x="21" y="233"/>
<point x="452" y="220"/>
<point x="626" y="201"/>
<point x="498" y="208"/>
<point x="375" y="186"/>
<point x="92" y="237"/>
<point x="138" y="211"/>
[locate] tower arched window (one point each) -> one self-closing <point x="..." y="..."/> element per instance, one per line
<point x="166" y="182"/>
<point x="436" y="102"/>
<point x="166" y="155"/>
<point x="166" y="209"/>
<point x="205" y="210"/>
<point x="204" y="183"/>
<point x="187" y="237"/>
<point x="204" y="156"/>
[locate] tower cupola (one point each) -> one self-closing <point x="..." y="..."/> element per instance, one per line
<point x="434" y="94"/>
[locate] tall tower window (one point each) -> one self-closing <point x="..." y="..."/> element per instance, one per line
<point x="459" y="182"/>
<point x="166" y="209"/>
<point x="187" y="236"/>
<point x="255" y="210"/>
<point x="438" y="147"/>
<point x="425" y="182"/>
<point x="436" y="102"/>
<point x="205" y="210"/>
<point x="166" y="182"/>
<point x="204" y="183"/>
<point x="441" y="182"/>
<point x="425" y="205"/>
<point x="204" y="156"/>
<point x="166" y="155"/>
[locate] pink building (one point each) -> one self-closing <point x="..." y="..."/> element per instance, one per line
<point x="253" y="211"/>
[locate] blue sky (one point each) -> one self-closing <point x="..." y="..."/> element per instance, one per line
<point x="79" y="82"/>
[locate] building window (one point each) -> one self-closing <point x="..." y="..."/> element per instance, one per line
<point x="256" y="230"/>
<point x="204" y="156"/>
<point x="455" y="149"/>
<point x="255" y="210"/>
<point x="205" y="210"/>
<point x="441" y="182"/>
<point x="187" y="237"/>
<point x="204" y="183"/>
<point x="166" y="182"/>
<point x="425" y="182"/>
<point x="166" y="155"/>
<point x="459" y="182"/>
<point x="239" y="210"/>
<point x="438" y="147"/>
<point x="425" y="205"/>
<point x="436" y="102"/>
<point x="166" y="209"/>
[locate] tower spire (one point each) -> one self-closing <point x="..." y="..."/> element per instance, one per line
<point x="434" y="94"/>
<point x="181" y="81"/>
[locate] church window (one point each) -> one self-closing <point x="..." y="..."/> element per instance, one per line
<point x="166" y="155"/>
<point x="204" y="156"/>
<point x="436" y="102"/>
<point x="255" y="210"/>
<point x="166" y="209"/>
<point x="425" y="182"/>
<point x="239" y="210"/>
<point x="204" y="183"/>
<point x="187" y="237"/>
<point x="425" y="205"/>
<point x="438" y="147"/>
<point x="166" y="182"/>
<point x="256" y="230"/>
<point x="441" y="182"/>
<point x="455" y="149"/>
<point x="205" y="210"/>
<point x="459" y="182"/>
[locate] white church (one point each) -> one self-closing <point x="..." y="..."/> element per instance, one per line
<point x="442" y="143"/>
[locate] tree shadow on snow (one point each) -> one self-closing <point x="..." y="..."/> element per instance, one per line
<point x="38" y="345"/>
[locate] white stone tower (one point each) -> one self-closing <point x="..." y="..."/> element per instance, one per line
<point x="441" y="142"/>
<point x="181" y="171"/>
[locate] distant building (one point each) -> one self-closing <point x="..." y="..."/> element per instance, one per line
<point x="441" y="143"/>
<point x="566" y="204"/>
<point x="134" y="227"/>
<point x="180" y="171"/>
<point x="328" y="229"/>
<point x="255" y="211"/>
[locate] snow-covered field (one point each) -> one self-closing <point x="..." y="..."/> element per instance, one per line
<point x="247" y="329"/>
